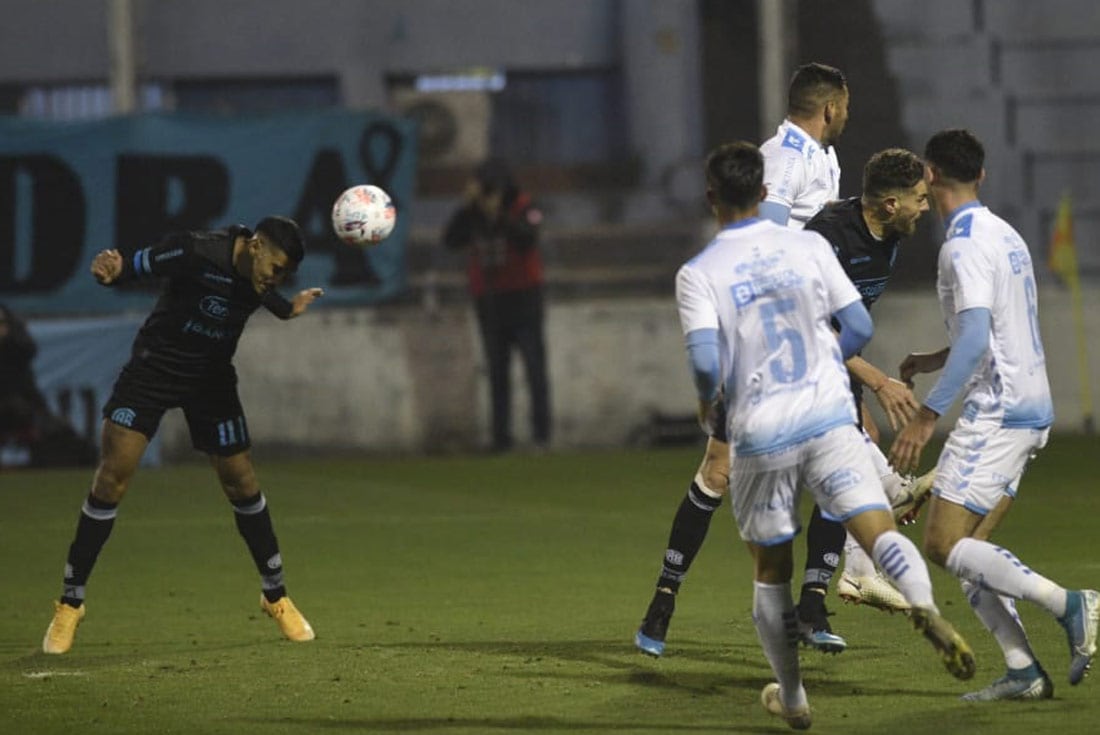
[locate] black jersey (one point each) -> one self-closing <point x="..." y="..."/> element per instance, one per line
<point x="867" y="261"/>
<point x="198" y="319"/>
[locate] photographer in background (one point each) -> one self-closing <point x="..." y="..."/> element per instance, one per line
<point x="25" y="418"/>
<point x="498" y="227"/>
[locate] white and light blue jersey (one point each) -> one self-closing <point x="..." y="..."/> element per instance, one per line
<point x="769" y="291"/>
<point x="984" y="263"/>
<point x="799" y="173"/>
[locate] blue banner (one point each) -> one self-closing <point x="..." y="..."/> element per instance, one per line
<point x="69" y="190"/>
<point x="76" y="366"/>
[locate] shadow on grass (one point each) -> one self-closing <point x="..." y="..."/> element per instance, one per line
<point x="514" y="724"/>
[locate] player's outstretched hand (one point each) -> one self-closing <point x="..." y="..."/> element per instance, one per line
<point x="107" y="266"/>
<point x="897" y="402"/>
<point x="303" y="299"/>
<point x="921" y="362"/>
<point x="906" y="450"/>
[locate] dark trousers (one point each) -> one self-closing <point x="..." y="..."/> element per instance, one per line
<point x="513" y="319"/>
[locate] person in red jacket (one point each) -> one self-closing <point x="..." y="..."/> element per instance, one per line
<point x="498" y="227"/>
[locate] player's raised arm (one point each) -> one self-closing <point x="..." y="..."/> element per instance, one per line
<point x="303" y="299"/>
<point x="274" y="302"/>
<point x="169" y="257"/>
<point x="921" y="362"/>
<point x="893" y="395"/>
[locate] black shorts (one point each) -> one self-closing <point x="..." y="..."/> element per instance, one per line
<point x="210" y="404"/>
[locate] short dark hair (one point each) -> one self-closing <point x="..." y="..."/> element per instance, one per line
<point x="284" y="234"/>
<point x="890" y="170"/>
<point x="735" y="173"/>
<point x="812" y="85"/>
<point x="956" y="154"/>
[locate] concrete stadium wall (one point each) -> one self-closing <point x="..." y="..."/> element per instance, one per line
<point x="404" y="380"/>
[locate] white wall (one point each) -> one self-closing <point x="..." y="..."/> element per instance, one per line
<point x="400" y="380"/>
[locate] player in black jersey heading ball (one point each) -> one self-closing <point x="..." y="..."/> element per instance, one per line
<point x="182" y="358"/>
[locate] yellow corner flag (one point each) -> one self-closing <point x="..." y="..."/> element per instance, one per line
<point x="1062" y="258"/>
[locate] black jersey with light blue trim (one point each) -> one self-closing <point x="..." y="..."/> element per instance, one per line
<point x="869" y="262"/>
<point x="199" y="317"/>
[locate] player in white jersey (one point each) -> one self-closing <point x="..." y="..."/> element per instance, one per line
<point x="987" y="292"/>
<point x="801" y="169"/>
<point x="755" y="306"/>
<point x="817" y="110"/>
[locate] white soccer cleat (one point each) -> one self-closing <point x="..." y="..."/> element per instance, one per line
<point x="874" y="590"/>
<point x="906" y="494"/>
<point x="798" y="719"/>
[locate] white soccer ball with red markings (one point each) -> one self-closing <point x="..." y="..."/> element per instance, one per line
<point x="363" y="215"/>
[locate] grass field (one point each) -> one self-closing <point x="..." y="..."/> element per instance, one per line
<point x="478" y="595"/>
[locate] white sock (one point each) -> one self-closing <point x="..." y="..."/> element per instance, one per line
<point x="999" y="570"/>
<point x="777" y="627"/>
<point x="1002" y="622"/>
<point x="706" y="490"/>
<point x="856" y="561"/>
<point x="899" y="560"/>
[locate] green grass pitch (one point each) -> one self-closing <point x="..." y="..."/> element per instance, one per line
<point x="479" y="595"/>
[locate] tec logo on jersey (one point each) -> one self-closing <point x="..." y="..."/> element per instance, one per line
<point x="215" y="307"/>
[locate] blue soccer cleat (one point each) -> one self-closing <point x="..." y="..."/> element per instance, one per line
<point x="1028" y="683"/>
<point x="813" y="625"/>
<point x="1080" y="623"/>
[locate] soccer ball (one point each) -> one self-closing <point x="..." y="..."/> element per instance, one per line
<point x="363" y="215"/>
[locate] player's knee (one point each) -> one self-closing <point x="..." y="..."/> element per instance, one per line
<point x="936" y="548"/>
<point x="110" y="483"/>
<point x="716" y="480"/>
<point x="715" y="470"/>
<point x="237" y="476"/>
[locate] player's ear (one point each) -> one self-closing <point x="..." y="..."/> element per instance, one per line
<point x="829" y="111"/>
<point x="981" y="176"/>
<point x="763" y="192"/>
<point x="890" y="205"/>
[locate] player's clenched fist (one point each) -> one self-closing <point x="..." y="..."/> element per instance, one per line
<point x="106" y="266"/>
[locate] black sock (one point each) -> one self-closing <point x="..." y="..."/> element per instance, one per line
<point x="824" y="545"/>
<point x="254" y="523"/>
<point x="97" y="518"/>
<point x="689" y="529"/>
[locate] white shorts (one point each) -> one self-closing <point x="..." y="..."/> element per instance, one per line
<point x="882" y="465"/>
<point x="982" y="461"/>
<point x="835" y="467"/>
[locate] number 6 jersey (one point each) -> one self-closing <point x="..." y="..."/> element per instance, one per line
<point x="984" y="263"/>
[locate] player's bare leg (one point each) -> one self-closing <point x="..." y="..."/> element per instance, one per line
<point x="901" y="561"/>
<point x="990" y="572"/>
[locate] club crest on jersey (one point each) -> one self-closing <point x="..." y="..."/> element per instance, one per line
<point x="793" y="140"/>
<point x="215" y="307"/>
<point x="124" y="416"/>
<point x="961" y="227"/>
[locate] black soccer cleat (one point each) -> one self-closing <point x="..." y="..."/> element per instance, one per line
<point x="650" y="636"/>
<point x="813" y="625"/>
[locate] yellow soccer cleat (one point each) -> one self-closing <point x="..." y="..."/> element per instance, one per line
<point x="953" y="649"/>
<point x="291" y="622"/>
<point x="62" y="630"/>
